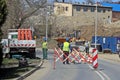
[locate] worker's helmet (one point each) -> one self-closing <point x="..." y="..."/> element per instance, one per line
<point x="45" y="39"/>
<point x="67" y="39"/>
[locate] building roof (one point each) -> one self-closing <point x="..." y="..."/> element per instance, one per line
<point x="115" y="7"/>
<point x="74" y="4"/>
<point x="87" y="5"/>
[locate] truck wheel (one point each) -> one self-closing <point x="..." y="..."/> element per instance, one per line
<point x="119" y="54"/>
<point x="1" y="56"/>
<point x="32" y="55"/>
<point x="10" y="54"/>
<point x="7" y="55"/>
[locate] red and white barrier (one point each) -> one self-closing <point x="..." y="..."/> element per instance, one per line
<point x="83" y="59"/>
<point x="95" y="58"/>
<point x="89" y="59"/>
<point x="73" y="56"/>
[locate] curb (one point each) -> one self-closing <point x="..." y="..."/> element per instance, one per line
<point x="30" y="72"/>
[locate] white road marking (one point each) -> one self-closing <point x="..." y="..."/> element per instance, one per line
<point x="101" y="74"/>
<point x="102" y="77"/>
<point x="105" y="75"/>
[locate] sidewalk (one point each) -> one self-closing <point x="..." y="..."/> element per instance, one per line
<point x="30" y="72"/>
<point x="40" y="73"/>
<point x="110" y="57"/>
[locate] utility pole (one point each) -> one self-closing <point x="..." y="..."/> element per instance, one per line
<point x="96" y="24"/>
<point x="47" y="13"/>
<point x="46" y="32"/>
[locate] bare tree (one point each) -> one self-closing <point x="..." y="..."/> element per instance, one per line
<point x="90" y="1"/>
<point x="20" y="10"/>
<point x="3" y="14"/>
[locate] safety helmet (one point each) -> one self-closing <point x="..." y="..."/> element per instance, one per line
<point x="45" y="39"/>
<point x="67" y="39"/>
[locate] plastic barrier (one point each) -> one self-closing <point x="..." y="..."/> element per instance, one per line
<point x="73" y="56"/>
<point x="95" y="57"/>
<point x="19" y="34"/>
<point x="30" y="34"/>
<point x="22" y="34"/>
<point x="26" y="34"/>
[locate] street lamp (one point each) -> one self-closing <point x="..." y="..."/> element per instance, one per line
<point x="47" y="25"/>
<point x="96" y="27"/>
<point x="48" y="13"/>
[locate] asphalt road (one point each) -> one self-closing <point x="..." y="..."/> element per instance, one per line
<point x="106" y="70"/>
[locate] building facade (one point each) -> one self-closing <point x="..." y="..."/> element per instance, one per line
<point x="62" y="9"/>
<point x="115" y="10"/>
<point x="83" y="11"/>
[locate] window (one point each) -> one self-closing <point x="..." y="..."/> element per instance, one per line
<point x="14" y="36"/>
<point x="104" y="10"/>
<point x="77" y="8"/>
<point x="85" y="9"/>
<point x="99" y="10"/>
<point x="109" y="10"/>
<point x="66" y="8"/>
<point x="92" y="9"/>
<point x="63" y="8"/>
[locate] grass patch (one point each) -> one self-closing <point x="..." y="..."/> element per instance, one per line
<point x="12" y="72"/>
<point x="7" y="61"/>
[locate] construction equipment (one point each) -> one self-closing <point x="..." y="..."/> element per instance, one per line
<point x="20" y="42"/>
<point x="60" y="41"/>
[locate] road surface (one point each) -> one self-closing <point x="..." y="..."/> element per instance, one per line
<point x="106" y="70"/>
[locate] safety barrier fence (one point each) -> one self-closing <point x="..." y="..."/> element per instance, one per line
<point x="95" y="58"/>
<point x="76" y="56"/>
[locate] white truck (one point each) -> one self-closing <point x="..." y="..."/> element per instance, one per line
<point x="20" y="42"/>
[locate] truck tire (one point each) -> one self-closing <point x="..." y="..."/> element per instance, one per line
<point x="119" y="54"/>
<point x="32" y="55"/>
<point x="1" y="56"/>
<point x="10" y="54"/>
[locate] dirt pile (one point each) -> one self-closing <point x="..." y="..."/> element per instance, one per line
<point x="112" y="29"/>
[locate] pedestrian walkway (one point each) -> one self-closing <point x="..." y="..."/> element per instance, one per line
<point x="41" y="72"/>
<point x="110" y="57"/>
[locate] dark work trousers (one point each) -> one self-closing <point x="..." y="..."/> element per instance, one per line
<point x="44" y="53"/>
<point x="87" y="49"/>
<point x="64" y="57"/>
